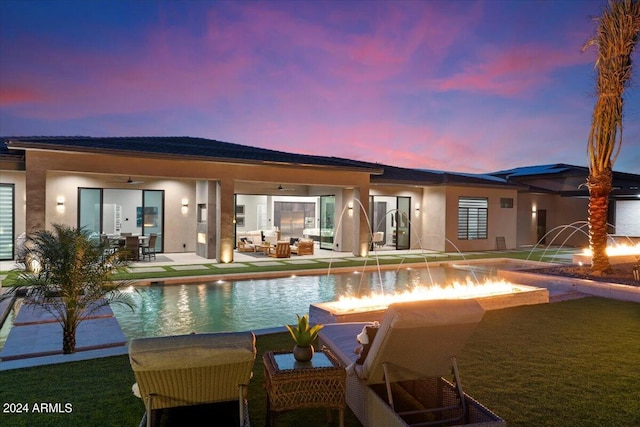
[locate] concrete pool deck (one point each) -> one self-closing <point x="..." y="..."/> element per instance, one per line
<point x="111" y="338"/>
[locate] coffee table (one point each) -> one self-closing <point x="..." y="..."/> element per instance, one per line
<point x="291" y="385"/>
<point x="264" y="247"/>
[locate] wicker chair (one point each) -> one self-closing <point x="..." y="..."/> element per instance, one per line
<point x="194" y="369"/>
<point x="132" y="245"/>
<point x="402" y="381"/>
<point x="149" y="248"/>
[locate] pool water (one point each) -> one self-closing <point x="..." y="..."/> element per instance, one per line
<point x="261" y="303"/>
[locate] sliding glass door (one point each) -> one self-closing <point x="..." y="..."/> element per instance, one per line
<point x="117" y="211"/>
<point x="404" y="223"/>
<point x="327" y="221"/>
<point x="390" y="216"/>
<point x="90" y="209"/>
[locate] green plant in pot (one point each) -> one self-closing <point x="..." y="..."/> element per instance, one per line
<point x="303" y="335"/>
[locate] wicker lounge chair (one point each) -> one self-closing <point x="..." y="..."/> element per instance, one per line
<point x="194" y="369"/>
<point x="402" y="381"/>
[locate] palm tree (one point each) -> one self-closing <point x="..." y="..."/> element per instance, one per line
<point x="70" y="275"/>
<point x="615" y="39"/>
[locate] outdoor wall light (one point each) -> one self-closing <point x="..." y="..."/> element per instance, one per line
<point x="60" y="204"/>
<point x="350" y="207"/>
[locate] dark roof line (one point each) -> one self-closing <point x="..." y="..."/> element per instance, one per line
<point x="184" y="146"/>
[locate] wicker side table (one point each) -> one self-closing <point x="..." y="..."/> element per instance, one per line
<point x="294" y="385"/>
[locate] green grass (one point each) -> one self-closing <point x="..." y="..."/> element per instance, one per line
<point x="574" y="363"/>
<point x="324" y="263"/>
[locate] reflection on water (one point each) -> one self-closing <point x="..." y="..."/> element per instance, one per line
<point x="257" y="304"/>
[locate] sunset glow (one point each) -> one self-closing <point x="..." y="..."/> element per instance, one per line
<point x="465" y="86"/>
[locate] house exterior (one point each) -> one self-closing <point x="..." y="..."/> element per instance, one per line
<point x="198" y="195"/>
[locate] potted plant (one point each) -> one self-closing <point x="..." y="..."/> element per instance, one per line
<point x="303" y="335"/>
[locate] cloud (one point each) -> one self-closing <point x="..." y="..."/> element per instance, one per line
<point x="511" y="72"/>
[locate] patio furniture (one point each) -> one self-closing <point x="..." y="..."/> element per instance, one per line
<point x="302" y="247"/>
<point x="378" y="238"/>
<point x="132" y="245"/>
<point x="402" y="381"/>
<point x="291" y="385"/>
<point x="110" y="245"/>
<point x="246" y="245"/>
<point x="187" y="370"/>
<point x="280" y="250"/>
<point x="149" y="247"/>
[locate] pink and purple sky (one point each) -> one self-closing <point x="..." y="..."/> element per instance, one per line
<point x="466" y="86"/>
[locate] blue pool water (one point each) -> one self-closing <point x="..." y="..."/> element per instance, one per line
<point x="261" y="303"/>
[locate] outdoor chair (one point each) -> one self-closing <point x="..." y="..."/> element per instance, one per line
<point x="280" y="250"/>
<point x="185" y="372"/>
<point x="132" y="246"/>
<point x="378" y="238"/>
<point x="402" y="380"/>
<point x="109" y="245"/>
<point x="302" y="247"/>
<point x="149" y="248"/>
<point x="246" y="245"/>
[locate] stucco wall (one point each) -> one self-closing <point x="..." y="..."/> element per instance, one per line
<point x="180" y="224"/>
<point x="434" y="218"/>
<point x="566" y="219"/>
<point x="502" y="222"/>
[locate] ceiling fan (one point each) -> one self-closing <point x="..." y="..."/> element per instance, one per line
<point x="281" y="188"/>
<point x="128" y="182"/>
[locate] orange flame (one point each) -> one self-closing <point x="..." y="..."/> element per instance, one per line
<point x="617" y="250"/>
<point x="455" y="290"/>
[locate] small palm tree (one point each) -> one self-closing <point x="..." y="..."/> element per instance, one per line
<point x="70" y="276"/>
<point x="615" y="38"/>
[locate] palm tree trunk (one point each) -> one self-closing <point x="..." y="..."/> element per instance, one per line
<point x="599" y="190"/>
<point x="69" y="338"/>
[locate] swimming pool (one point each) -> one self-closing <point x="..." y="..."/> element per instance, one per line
<point x="260" y="303"/>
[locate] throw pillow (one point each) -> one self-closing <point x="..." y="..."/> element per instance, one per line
<point x="365" y="338"/>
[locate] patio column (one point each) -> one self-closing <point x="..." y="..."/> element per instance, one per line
<point x="360" y="224"/>
<point x="225" y="244"/>
<point x="215" y="231"/>
<point x="36" y="193"/>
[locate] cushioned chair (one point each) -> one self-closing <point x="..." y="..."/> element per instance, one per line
<point x="246" y="245"/>
<point x="280" y="250"/>
<point x="302" y="247"/>
<point x="402" y="381"/>
<point x="378" y="238"/>
<point x="196" y="369"/>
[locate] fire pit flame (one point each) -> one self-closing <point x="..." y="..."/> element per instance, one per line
<point x="455" y="290"/>
<point x="618" y="250"/>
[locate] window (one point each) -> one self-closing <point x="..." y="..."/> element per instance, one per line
<point x="506" y="202"/>
<point x="7" y="225"/>
<point x="472" y="218"/>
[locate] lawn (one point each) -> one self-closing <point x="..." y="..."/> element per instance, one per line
<point x="570" y="363"/>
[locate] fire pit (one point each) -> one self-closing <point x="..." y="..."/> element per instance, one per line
<point x="618" y="254"/>
<point x="491" y="295"/>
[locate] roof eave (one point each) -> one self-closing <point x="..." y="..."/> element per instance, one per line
<point x="24" y="145"/>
